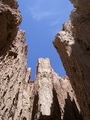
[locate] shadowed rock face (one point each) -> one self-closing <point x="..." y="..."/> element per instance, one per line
<point x="12" y="3"/>
<point x="73" y="46"/>
<point x="10" y="18"/>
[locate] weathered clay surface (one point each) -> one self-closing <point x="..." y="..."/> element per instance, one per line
<point x="73" y="45"/>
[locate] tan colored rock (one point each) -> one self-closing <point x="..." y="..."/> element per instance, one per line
<point x="73" y="46"/>
<point x="16" y="93"/>
<point x="54" y="96"/>
<point x="49" y="97"/>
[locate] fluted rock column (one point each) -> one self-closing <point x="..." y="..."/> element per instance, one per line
<point x="54" y="97"/>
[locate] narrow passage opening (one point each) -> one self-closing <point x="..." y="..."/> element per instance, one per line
<point x="42" y="19"/>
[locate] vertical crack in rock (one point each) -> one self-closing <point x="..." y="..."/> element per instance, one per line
<point x="55" y="109"/>
<point x="71" y="106"/>
<point x="35" y="107"/>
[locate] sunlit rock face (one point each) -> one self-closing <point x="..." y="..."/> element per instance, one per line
<point x="73" y="46"/>
<point x="16" y="94"/>
<point x="54" y="97"/>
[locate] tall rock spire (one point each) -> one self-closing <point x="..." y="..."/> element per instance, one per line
<point x="54" y="97"/>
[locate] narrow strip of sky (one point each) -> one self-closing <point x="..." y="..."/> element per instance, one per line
<point x="42" y="19"/>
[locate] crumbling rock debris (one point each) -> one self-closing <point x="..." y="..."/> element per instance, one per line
<point x="73" y="46"/>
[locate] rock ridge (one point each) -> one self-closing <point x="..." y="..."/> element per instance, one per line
<point x="73" y="46"/>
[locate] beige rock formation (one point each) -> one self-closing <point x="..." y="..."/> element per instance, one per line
<point x="54" y="96"/>
<point x="73" y="46"/>
<point x="16" y="94"/>
<point x="49" y="97"/>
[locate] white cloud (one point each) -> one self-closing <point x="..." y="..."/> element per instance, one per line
<point x="54" y="23"/>
<point x="39" y="14"/>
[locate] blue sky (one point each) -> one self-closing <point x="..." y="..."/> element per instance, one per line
<point x="42" y="19"/>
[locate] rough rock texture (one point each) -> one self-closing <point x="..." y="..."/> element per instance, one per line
<point x="54" y="96"/>
<point x="49" y="97"/>
<point x="73" y="46"/>
<point x="16" y="94"/>
<point x="20" y="98"/>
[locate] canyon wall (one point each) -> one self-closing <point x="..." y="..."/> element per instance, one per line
<point x="73" y="46"/>
<point x="49" y="96"/>
<point x="16" y="94"/>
